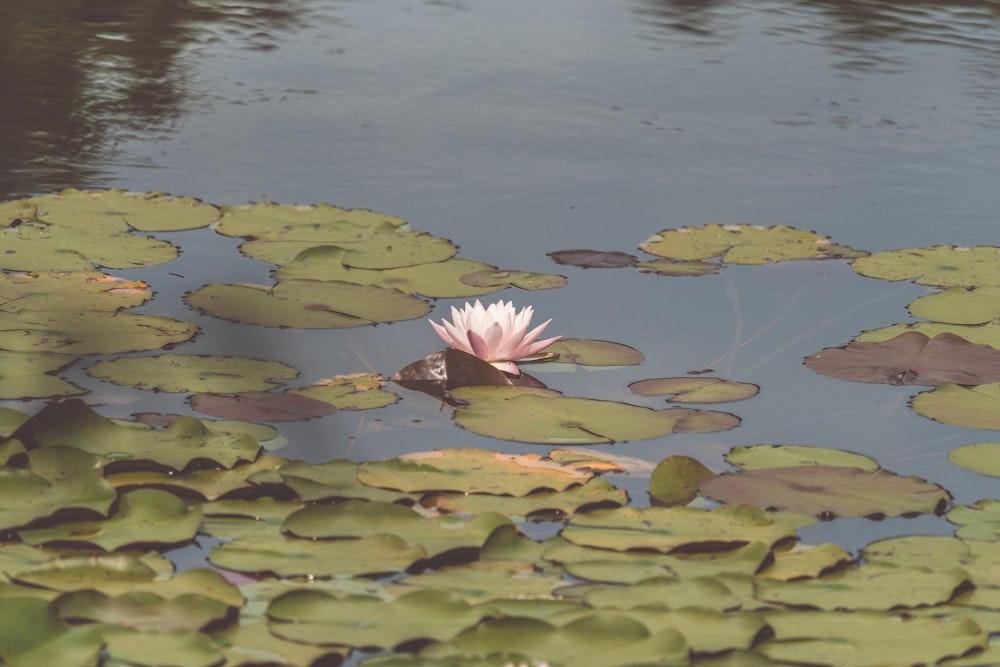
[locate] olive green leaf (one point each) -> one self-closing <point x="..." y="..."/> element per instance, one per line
<point x="828" y="491"/>
<point x="192" y="373"/>
<point x="362" y="391"/>
<point x="745" y="244"/>
<point x="210" y="484"/>
<point x="334" y="480"/>
<point x="70" y="290"/>
<point x="143" y="516"/>
<point x="319" y="224"/>
<point x="31" y="633"/>
<point x="941" y="266"/>
<point x="55" y="478"/>
<point x="596" y="493"/>
<point x="678" y="268"/>
<point x="491" y="277"/>
<point x="250" y="643"/>
<point x="307" y="304"/>
<point x="117" y="209"/>
<point x="695" y="390"/>
<point x="37" y="246"/>
<point x="185" y="648"/>
<point x="805" y="562"/>
<point x="28" y="375"/>
<point x="985" y="334"/>
<point x="972" y="407"/>
<point x="979" y="521"/>
<point x="586" y="352"/>
<point x="789" y="456"/>
<point x="959" y="305"/>
<point x="983" y="457"/>
<point x="142" y="610"/>
<point x="484" y="582"/>
<point x="89" y="332"/>
<point x="675" y="480"/>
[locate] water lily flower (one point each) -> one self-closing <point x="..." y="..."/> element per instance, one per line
<point x="498" y="334"/>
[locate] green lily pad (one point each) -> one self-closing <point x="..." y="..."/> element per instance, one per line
<point x="434" y="279"/>
<point x="867" y="638"/>
<point x="250" y="643"/>
<point x="745" y="244"/>
<point x="289" y="556"/>
<point x="668" y="529"/>
<point x="31" y="633"/>
<point x="70" y="290"/>
<point x="144" y="516"/>
<point x="471" y="471"/>
<point x="979" y="521"/>
<point x="492" y="277"/>
<point x="36" y="246"/>
<point x="805" y="561"/>
<point x="959" y="305"/>
<point x="350" y="392"/>
<point x="316" y="617"/>
<point x="679" y="268"/>
<point x="28" y="375"/>
<point x="511" y="414"/>
<point x="828" y="491"/>
<point x="56" y="478"/>
<point x="983" y="458"/>
<point x="675" y="480"/>
<point x="334" y="480"/>
<point x="307" y="304"/>
<point x="695" y="390"/>
<point x="356" y="519"/>
<point x="116" y="209"/>
<point x="89" y="332"/>
<point x="788" y="456"/>
<point x="185" y="648"/>
<point x="192" y="373"/>
<point x="595" y="352"/>
<point x="73" y="423"/>
<point x="319" y="224"/>
<point x="208" y="484"/>
<point x="985" y="334"/>
<point x="485" y="582"/>
<point x="596" y="493"/>
<point x="972" y="407"/>
<point x="142" y="610"/>
<point x="941" y="266"/>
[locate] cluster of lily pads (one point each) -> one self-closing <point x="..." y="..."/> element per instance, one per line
<point x="458" y="557"/>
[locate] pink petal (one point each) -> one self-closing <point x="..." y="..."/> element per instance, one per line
<point x="535" y="348"/>
<point x="507" y="367"/>
<point x="479" y="346"/>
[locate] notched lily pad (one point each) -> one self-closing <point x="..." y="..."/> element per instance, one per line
<point x="30" y="375"/>
<point x="89" y="332"/>
<point x="585" y="352"/>
<point x="180" y="373"/>
<point x="675" y="480"/>
<point x="37" y="246"/>
<point x="972" y="407"/>
<point x="959" y="305"/>
<point x="745" y="244"/>
<point x="791" y="456"/>
<point x="695" y="390"/>
<point x="911" y="358"/>
<point x="361" y="391"/>
<point x="499" y="278"/>
<point x="941" y="266"/>
<point x="70" y="290"/>
<point x="318" y="224"/>
<point x="828" y="491"/>
<point x="593" y="259"/>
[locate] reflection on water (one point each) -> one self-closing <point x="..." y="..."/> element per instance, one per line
<point x="79" y="77"/>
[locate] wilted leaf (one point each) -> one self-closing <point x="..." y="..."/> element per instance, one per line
<point x="438" y="373"/>
<point x="745" y="244"/>
<point x="593" y="259"/>
<point x="972" y="407"/>
<point x="828" y="491"/>
<point x="695" y="390"/>
<point x="911" y="358"/>
<point x="942" y="266"/>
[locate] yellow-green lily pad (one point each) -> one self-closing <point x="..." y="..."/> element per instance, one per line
<point x="787" y="456"/>
<point x="972" y="407"/>
<point x="695" y="390"/>
<point x="184" y="374"/>
<point x="745" y="244"/>
<point x="983" y="458"/>
<point x="89" y="332"/>
<point x="959" y="305"/>
<point x="362" y="391"/>
<point x="941" y="266"/>
<point x="675" y="480"/>
<point x="586" y="352"/>
<point x="70" y="290"/>
<point x="29" y="375"/>
<point x="37" y="246"/>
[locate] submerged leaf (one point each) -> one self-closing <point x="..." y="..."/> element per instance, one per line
<point x="911" y="358"/>
<point x="593" y="259"/>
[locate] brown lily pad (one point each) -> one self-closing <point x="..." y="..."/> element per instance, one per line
<point x="594" y="259"/>
<point x="911" y="358"/>
<point x="438" y="373"/>
<point x="261" y="406"/>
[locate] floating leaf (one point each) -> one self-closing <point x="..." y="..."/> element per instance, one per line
<point x="31" y="633"/>
<point x="790" y="456"/>
<point x="910" y="358"/>
<point x="89" y="332"/>
<point x="983" y="458"/>
<point x="115" y="209"/>
<point x="528" y="417"/>
<point x="984" y="334"/>
<point x="36" y="246"/>
<point x="828" y="491"/>
<point x="73" y="423"/>
<point x="593" y="259"/>
<point x="261" y="405"/>
<point x="184" y="648"/>
<point x="675" y="480"/>
<point x="438" y="373"/>
<point x="70" y="290"/>
<point x="318" y="224"/>
<point x="307" y="304"/>
<point x="805" y="562"/>
<point x="207" y="484"/>
<point x="251" y="642"/>
<point x="56" y="478"/>
<point x="979" y="521"/>
<point x="678" y="268"/>
<point x="333" y="480"/>
<point x="485" y="581"/>
<point x="499" y="278"/>
<point x="27" y="375"/>
<point x="596" y="493"/>
<point x="745" y="244"/>
<point x="144" y="516"/>
<point x="959" y="305"/>
<point x="350" y="392"/>
<point x="695" y="390"/>
<point x="941" y="266"/>
<point x="192" y="373"/>
<point x="144" y="611"/>
<point x="595" y="352"/>
<point x="667" y="529"/>
<point x="471" y="471"/>
<point x="972" y="407"/>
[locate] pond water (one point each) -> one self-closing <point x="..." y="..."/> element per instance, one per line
<point x="520" y="128"/>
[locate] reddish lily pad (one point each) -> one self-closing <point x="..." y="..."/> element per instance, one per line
<point x="828" y="491"/>
<point x="911" y="358"/>
<point x="261" y="406"/>
<point x="593" y="259"/>
<point x="695" y="390"/>
<point x="438" y="373"/>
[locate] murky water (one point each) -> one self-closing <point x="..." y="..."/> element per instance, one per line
<point x="518" y="128"/>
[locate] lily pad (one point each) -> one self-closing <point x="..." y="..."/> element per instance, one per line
<point x="675" y="480"/>
<point x="31" y="633"/>
<point x="559" y="420"/>
<point x="318" y="224"/>
<point x="307" y="304"/>
<point x="115" y="209"/>
<point x="679" y="268"/>
<point x="70" y="290"/>
<point x="192" y="373"/>
<point x="500" y="278"/>
<point x="790" y="456"/>
<point x="984" y="334"/>
<point x="972" y="407"/>
<point x="261" y="405"/>
<point x="828" y="491"/>
<point x="141" y="648"/>
<point x="596" y="493"/>
<point x="911" y="358"/>
<point x="143" y="516"/>
<point x="593" y="259"/>
<point x="350" y="392"/>
<point x="981" y="520"/>
<point x="471" y="471"/>
<point x="941" y="266"/>
<point x="89" y="332"/>
<point x="439" y="373"/>
<point x="805" y="562"/>
<point x="959" y="305"/>
<point x="36" y="246"/>
<point x="983" y="458"/>
<point x="695" y="390"/>
<point x="334" y="480"/>
<point x="28" y="375"/>
<point x="595" y="352"/>
<point x="211" y="484"/>
<point x="144" y="611"/>
<point x="745" y="244"/>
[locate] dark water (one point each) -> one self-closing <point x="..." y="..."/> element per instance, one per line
<point x="518" y="128"/>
